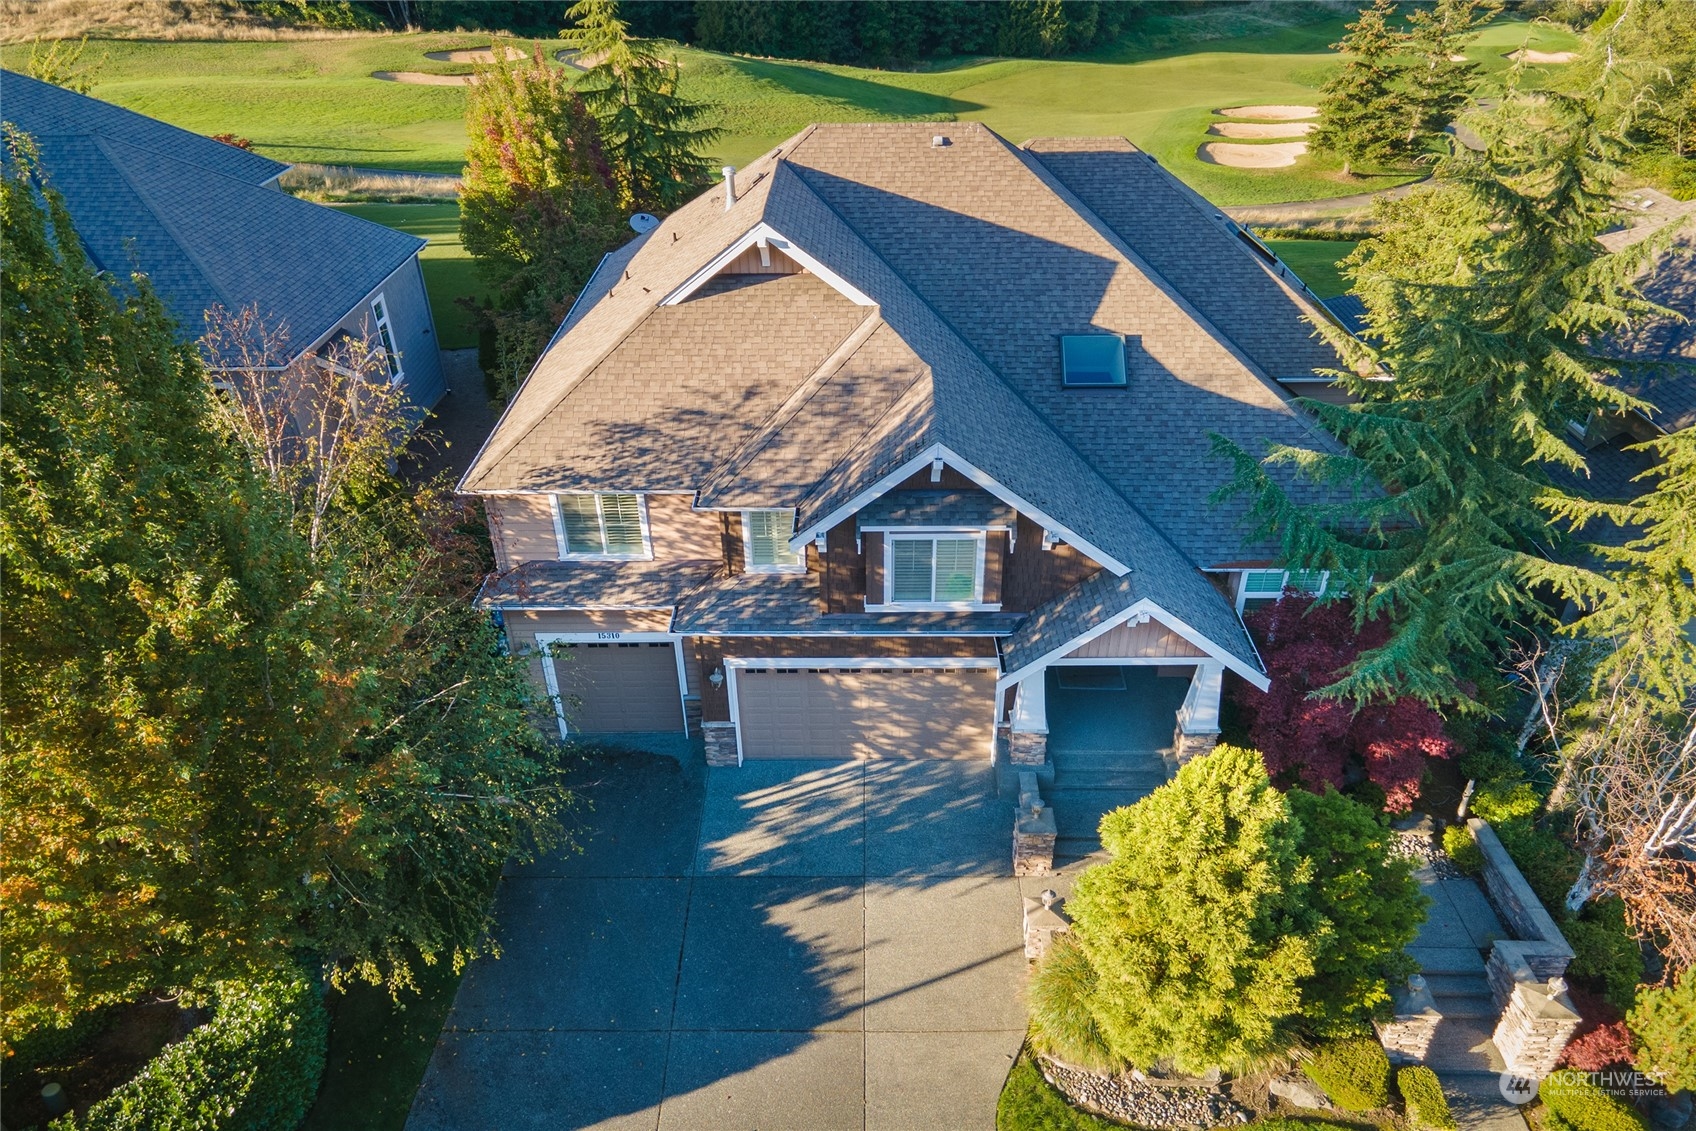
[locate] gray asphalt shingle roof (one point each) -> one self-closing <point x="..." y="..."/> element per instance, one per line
<point x="1666" y="345"/>
<point x="202" y="226"/>
<point x="756" y="604"/>
<point x="590" y="585"/>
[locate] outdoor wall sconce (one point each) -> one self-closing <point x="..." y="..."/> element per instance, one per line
<point x="717" y="679"/>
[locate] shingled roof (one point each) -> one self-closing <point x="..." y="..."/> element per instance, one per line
<point x="198" y="217"/>
<point x="977" y="256"/>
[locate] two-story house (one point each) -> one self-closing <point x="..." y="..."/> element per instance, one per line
<point x="847" y="454"/>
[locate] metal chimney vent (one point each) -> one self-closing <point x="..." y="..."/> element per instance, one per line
<point x="729" y="186"/>
<point x="938" y="141"/>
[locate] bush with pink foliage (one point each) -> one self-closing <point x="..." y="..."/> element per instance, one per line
<point x="1602" y="1040"/>
<point x="1317" y="742"/>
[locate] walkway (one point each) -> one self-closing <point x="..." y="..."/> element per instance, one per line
<point x="1109" y="739"/>
<point x="789" y="945"/>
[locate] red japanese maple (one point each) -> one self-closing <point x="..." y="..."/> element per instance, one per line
<point x="1313" y="742"/>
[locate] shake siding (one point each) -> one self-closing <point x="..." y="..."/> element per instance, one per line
<point x="730" y="541"/>
<point x="1142" y="641"/>
<point x="994" y="554"/>
<point x="710" y="651"/>
<point x="873" y="543"/>
<point x="748" y="263"/>
<point x="951" y="481"/>
<point x="522" y="529"/>
<point x="844" y="582"/>
<point x="1034" y="575"/>
<point x="679" y="531"/>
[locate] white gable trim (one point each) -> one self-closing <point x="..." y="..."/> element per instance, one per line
<point x="1140" y="611"/>
<point x="852" y="506"/>
<point x="763" y="235"/>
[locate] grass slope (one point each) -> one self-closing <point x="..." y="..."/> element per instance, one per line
<point x="314" y="100"/>
<point x="450" y="273"/>
<point x="1315" y="261"/>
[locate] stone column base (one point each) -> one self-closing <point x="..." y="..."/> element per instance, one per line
<point x="1033" y="853"/>
<point x="1535" y="1027"/>
<point x="1027" y="748"/>
<point x="721" y="743"/>
<point x="1187" y="746"/>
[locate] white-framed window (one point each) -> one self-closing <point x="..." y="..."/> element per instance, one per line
<point x="934" y="570"/>
<point x="1269" y="584"/>
<point x="385" y="335"/>
<point x="765" y="542"/>
<point x="605" y="525"/>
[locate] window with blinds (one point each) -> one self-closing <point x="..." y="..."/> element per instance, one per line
<point x="935" y="571"/>
<point x="1269" y="584"/>
<point x="766" y="534"/>
<point x="601" y="526"/>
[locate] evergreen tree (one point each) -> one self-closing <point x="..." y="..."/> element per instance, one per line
<point x="651" y="134"/>
<point x="1485" y="298"/>
<point x="538" y="207"/>
<point x="1440" y="78"/>
<point x="223" y="745"/>
<point x="1362" y="112"/>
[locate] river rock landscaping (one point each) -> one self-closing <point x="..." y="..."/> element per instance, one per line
<point x="1130" y="1100"/>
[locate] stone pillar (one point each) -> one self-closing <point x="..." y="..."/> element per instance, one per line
<point x="1198" y="718"/>
<point x="1042" y="924"/>
<point x="1535" y="1027"/>
<point x="1034" y="831"/>
<point x="721" y="744"/>
<point x="1027" y="745"/>
<point x="1407" y="1038"/>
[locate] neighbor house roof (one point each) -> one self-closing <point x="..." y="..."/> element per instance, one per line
<point x="1662" y="349"/>
<point x="928" y="327"/>
<point x="198" y="218"/>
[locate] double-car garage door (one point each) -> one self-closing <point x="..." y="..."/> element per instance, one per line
<point x="915" y="712"/>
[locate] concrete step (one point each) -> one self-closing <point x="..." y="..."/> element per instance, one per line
<point x="1109" y="759"/>
<point x="1130" y="779"/>
<point x="1447" y="959"/>
<point x="1480" y="1005"/>
<point x="1464" y="1044"/>
<point x="1464" y="985"/>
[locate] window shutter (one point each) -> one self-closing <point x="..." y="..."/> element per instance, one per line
<point x="582" y="523"/>
<point x="1267" y="582"/>
<point x="910" y="569"/>
<point x="956" y="569"/>
<point x="768" y="538"/>
<point x="623" y="517"/>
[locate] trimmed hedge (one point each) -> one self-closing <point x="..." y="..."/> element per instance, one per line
<point x="253" y="1067"/>
<point x="1354" y="1073"/>
<point x="1423" y="1094"/>
<point x="1463" y="850"/>
<point x="1572" y="1103"/>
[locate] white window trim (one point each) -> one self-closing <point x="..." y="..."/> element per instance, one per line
<point x="748" y="563"/>
<point x="647" y="554"/>
<point x="379" y="302"/>
<point x="1283" y="583"/>
<point x="976" y="604"/>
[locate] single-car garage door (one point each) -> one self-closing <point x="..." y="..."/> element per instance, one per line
<point x="618" y="687"/>
<point x="865" y="712"/>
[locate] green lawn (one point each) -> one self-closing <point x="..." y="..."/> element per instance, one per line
<point x="450" y="273"/>
<point x="314" y="100"/>
<point x="378" y="1052"/>
<point x="1316" y="262"/>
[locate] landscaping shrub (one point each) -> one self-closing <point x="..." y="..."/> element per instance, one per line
<point x="1354" y="1073"/>
<point x="1030" y="1103"/>
<point x="1061" y="1021"/>
<point x="1604" y="954"/>
<point x="253" y="1067"/>
<point x="1664" y="1023"/>
<point x="1463" y="850"/>
<point x="1546" y="861"/>
<point x="1504" y="801"/>
<point x="1603" y="1047"/>
<point x="1423" y="1094"/>
<point x="1572" y="1103"/>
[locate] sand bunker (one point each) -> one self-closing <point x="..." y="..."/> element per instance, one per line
<point x="1260" y="129"/>
<point x="1276" y="156"/>
<point x="421" y="78"/>
<point x="1529" y="56"/>
<point x="1269" y="113"/>
<point x="579" y="60"/>
<point x="473" y="55"/>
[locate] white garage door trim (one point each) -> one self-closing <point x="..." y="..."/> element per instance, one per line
<point x="549" y="676"/>
<point x="732" y="664"/>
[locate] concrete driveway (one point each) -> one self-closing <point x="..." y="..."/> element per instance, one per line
<point x="788" y="945"/>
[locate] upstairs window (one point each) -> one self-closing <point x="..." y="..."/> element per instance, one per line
<point x="943" y="570"/>
<point x="1269" y="584"/>
<point x="391" y="356"/>
<point x="765" y="538"/>
<point x="601" y="526"/>
<point x="1092" y="361"/>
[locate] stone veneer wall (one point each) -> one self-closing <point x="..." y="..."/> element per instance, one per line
<point x="721" y="743"/>
<point x="1025" y="748"/>
<point x="1536" y="1026"/>
<point x="1408" y="1036"/>
<point x="1187" y="746"/>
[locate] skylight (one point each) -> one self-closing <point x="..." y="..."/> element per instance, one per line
<point x="1092" y="360"/>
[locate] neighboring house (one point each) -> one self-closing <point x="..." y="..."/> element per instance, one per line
<point x="847" y="453"/>
<point x="208" y="226"/>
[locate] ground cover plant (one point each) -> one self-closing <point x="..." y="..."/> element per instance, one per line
<point x="315" y="100"/>
<point x="1030" y="1103"/>
<point x="1355" y="1073"/>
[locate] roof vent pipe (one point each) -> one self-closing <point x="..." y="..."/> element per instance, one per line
<point x="729" y="186"/>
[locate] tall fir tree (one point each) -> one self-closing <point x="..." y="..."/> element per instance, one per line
<point x="653" y="136"/>
<point x="538" y="207"/>
<point x="1362" y="110"/>
<point x="1440" y="78"/>
<point x="1486" y="297"/>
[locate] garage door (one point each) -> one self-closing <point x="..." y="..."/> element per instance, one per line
<point x="865" y="712"/>
<point x="617" y="687"/>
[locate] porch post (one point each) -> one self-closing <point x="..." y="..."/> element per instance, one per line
<point x="1198" y="718"/>
<point x="1027" y="744"/>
